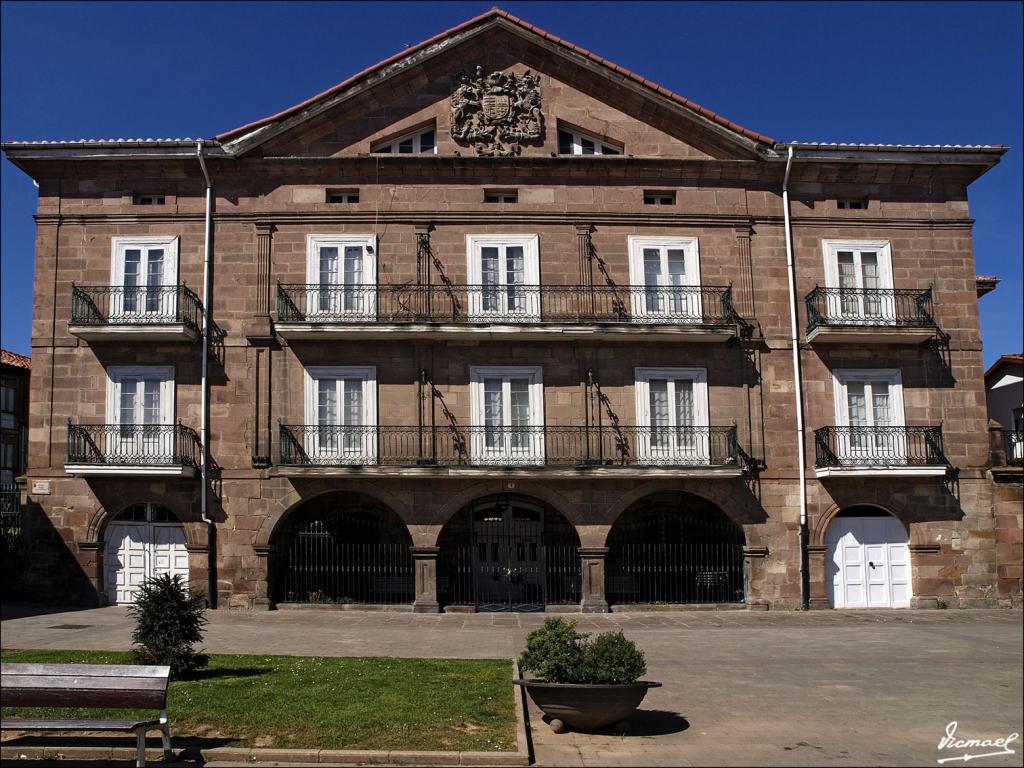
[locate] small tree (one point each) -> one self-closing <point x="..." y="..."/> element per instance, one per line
<point x="169" y="621"/>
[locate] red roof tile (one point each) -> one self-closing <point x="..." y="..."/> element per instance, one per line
<point x="499" y="13"/>
<point x="14" y="359"/>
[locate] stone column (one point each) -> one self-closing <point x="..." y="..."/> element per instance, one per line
<point x="592" y="566"/>
<point x="816" y="577"/>
<point x="425" y="564"/>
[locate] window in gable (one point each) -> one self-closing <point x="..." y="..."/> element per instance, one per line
<point x="860" y="204"/>
<point x="342" y="195"/>
<point x="422" y="142"/>
<point x="575" y="143"/>
<point x="501" y="195"/>
<point x="659" y="197"/>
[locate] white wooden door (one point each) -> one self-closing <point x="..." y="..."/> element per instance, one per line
<point x="136" y="551"/>
<point x="869" y="563"/>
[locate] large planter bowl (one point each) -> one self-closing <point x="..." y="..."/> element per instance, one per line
<point x="586" y="707"/>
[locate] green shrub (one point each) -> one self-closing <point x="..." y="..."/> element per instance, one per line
<point x="554" y="652"/>
<point x="612" y="659"/>
<point x="169" y="621"/>
<point x="558" y="653"/>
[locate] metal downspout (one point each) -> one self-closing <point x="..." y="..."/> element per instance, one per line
<point x="211" y="550"/>
<point x="797" y="386"/>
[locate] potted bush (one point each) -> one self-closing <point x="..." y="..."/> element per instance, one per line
<point x="582" y="683"/>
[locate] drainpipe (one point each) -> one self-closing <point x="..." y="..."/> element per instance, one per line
<point x="797" y="384"/>
<point x="211" y="549"/>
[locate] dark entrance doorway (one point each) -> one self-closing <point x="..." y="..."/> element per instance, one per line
<point x="675" y="548"/>
<point x="508" y="553"/>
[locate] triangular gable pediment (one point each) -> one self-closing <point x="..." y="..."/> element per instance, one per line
<point x="577" y="89"/>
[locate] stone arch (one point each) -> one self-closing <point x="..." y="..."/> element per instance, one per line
<point x="101" y="517"/>
<point x="295" y="499"/>
<point x="712" y="493"/>
<point x="892" y="507"/>
<point x="456" y="503"/>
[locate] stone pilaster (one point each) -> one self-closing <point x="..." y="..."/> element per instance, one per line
<point x="816" y="577"/>
<point x="425" y="564"/>
<point x="743" y="288"/>
<point x="592" y="567"/>
<point x="261" y="599"/>
<point x="260" y="328"/>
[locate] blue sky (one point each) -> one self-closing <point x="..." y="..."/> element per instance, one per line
<point x="915" y="73"/>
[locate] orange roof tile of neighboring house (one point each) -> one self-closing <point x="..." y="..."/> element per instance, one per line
<point x="499" y="13"/>
<point x="14" y="359"/>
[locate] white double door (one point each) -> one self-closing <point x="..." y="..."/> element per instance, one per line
<point x="136" y="551"/>
<point x="869" y="559"/>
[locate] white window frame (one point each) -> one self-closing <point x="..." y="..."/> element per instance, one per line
<point x="841" y="377"/>
<point x="531" y="274"/>
<point x="416" y="137"/>
<point x="835" y="307"/>
<point x="645" y="308"/>
<point x="506" y="453"/>
<point x="577" y="143"/>
<point x="134" y="444"/>
<point x="364" y="302"/>
<point x="696" y="451"/>
<point x="167" y="303"/>
<point x="365" y="451"/>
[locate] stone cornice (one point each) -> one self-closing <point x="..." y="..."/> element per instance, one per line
<point x="581" y="218"/>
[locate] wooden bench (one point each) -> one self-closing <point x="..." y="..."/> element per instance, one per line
<point x="107" y="686"/>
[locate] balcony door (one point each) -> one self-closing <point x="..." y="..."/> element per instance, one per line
<point x="341" y="414"/>
<point x="869" y="403"/>
<point x="144" y="277"/>
<point x="503" y="274"/>
<point x="342" y="277"/>
<point x="672" y="416"/>
<point x="665" y="274"/>
<point x="861" y="275"/>
<point x="508" y="416"/>
<point x="140" y="410"/>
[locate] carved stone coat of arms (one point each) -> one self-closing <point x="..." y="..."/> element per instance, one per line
<point x="497" y="114"/>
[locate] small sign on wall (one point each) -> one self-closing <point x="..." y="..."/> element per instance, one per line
<point x="40" y="487"/>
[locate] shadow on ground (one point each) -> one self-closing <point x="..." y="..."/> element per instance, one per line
<point x="644" y="722"/>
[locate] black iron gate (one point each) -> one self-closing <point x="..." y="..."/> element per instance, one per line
<point x="517" y="559"/>
<point x="347" y="553"/>
<point x="684" y="552"/>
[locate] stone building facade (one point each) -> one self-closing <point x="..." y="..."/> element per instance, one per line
<point x="498" y="324"/>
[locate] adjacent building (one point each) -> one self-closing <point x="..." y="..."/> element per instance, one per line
<point x="499" y="325"/>
<point x="15" y="373"/>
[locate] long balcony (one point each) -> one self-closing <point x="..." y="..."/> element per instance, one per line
<point x="132" y="449"/>
<point x="696" y="313"/>
<point x="879" y="452"/>
<point x="143" y="313"/>
<point x="878" y="315"/>
<point x="458" y="450"/>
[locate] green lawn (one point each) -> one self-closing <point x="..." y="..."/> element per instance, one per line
<point x="328" y="703"/>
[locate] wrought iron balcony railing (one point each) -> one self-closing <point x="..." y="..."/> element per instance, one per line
<point x="108" y="305"/>
<point x="330" y="446"/>
<point x="878" y="307"/>
<point x="879" y="447"/>
<point x="1013" y="447"/>
<point x="481" y="305"/>
<point x="133" y="445"/>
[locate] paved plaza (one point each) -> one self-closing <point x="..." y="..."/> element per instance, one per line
<point x="773" y="688"/>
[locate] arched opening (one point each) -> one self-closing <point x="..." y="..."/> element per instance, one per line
<point x="674" y="548"/>
<point x="867" y="560"/>
<point x="342" y="548"/>
<point x="142" y="541"/>
<point x="508" y="553"/>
